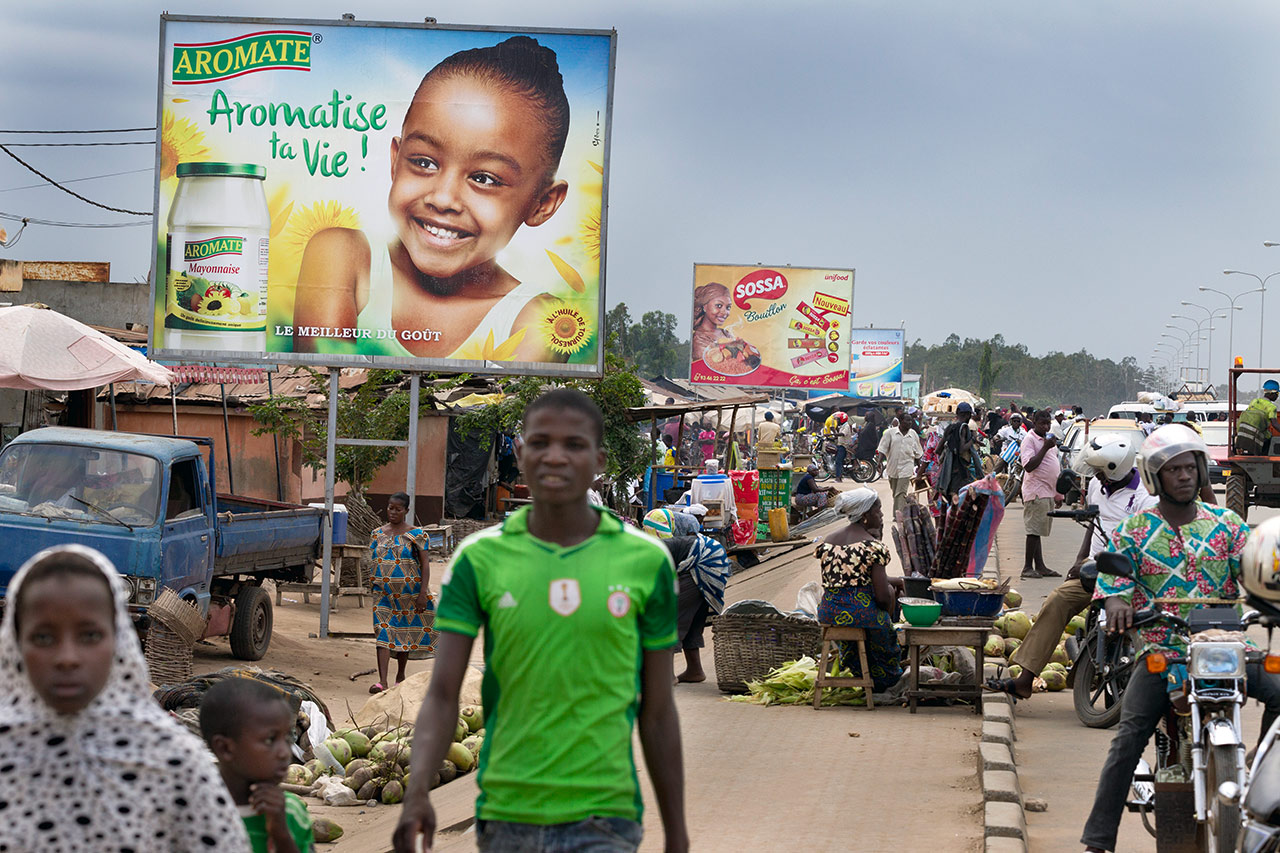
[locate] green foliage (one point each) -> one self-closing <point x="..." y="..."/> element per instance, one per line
<point x="378" y="409"/>
<point x="651" y="344"/>
<point x="628" y="450"/>
<point x="1050" y="380"/>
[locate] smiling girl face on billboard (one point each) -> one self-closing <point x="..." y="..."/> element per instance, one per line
<point x="483" y="248"/>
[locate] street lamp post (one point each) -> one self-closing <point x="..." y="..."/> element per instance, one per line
<point x="1262" y="308"/>
<point x="1209" y="317"/>
<point x="1231" y="317"/>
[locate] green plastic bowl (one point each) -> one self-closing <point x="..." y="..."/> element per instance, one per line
<point x="920" y="612"/>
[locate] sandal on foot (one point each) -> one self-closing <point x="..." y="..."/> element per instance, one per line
<point x="376" y="687"/>
<point x="1005" y="685"/>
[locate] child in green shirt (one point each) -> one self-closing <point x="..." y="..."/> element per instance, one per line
<point x="247" y="725"/>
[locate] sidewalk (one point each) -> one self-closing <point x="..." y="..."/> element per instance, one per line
<point x="792" y="778"/>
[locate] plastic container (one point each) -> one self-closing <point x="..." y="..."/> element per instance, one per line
<point x="216" y="259"/>
<point x="920" y="612"/>
<point x="968" y="602"/>
<point x="339" y="522"/>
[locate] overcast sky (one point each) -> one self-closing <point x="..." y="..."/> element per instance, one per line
<point x="1059" y="173"/>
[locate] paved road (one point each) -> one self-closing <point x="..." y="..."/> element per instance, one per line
<point x="1059" y="759"/>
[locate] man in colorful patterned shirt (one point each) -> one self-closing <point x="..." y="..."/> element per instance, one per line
<point x="1183" y="549"/>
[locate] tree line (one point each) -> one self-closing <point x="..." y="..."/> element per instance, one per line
<point x="1056" y="378"/>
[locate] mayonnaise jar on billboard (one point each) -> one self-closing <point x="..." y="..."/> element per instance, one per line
<point x="414" y="196"/>
<point x="777" y="327"/>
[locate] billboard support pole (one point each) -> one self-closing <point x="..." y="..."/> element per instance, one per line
<point x="411" y="466"/>
<point x="330" y="454"/>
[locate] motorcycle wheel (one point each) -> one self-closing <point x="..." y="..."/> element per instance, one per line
<point x="1223" y="828"/>
<point x="824" y="470"/>
<point x="1097" y="698"/>
<point x="864" y="471"/>
<point x="1012" y="488"/>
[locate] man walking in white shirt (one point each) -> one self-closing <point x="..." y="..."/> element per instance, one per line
<point x="901" y="451"/>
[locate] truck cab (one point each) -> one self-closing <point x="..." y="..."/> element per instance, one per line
<point x="149" y="504"/>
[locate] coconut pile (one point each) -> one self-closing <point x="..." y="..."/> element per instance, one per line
<point x="373" y="761"/>
<point x="1009" y="631"/>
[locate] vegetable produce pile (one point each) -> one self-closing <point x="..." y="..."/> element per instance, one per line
<point x="375" y="761"/>
<point x="1009" y="631"/>
<point x="793" y="683"/>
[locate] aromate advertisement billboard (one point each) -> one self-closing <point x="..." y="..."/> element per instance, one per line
<point x="772" y="327"/>
<point x="378" y="194"/>
<point x="875" y="362"/>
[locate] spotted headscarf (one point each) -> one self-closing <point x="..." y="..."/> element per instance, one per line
<point x="121" y="774"/>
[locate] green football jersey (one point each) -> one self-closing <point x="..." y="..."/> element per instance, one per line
<point x="565" y="633"/>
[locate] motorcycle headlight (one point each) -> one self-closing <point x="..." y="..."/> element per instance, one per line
<point x="1217" y="660"/>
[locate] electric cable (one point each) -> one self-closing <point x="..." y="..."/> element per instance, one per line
<point x="77" y="144"/>
<point x="77" y="180"/>
<point x="108" y="130"/>
<point x="13" y="217"/>
<point x="73" y="192"/>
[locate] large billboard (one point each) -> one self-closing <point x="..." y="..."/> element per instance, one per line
<point x="771" y="327"/>
<point x="875" y="362"/>
<point x="378" y="194"/>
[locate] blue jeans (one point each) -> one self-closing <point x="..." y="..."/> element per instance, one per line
<point x="841" y="453"/>
<point x="593" y="835"/>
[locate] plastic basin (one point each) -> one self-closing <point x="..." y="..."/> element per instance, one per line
<point x="920" y="612"/>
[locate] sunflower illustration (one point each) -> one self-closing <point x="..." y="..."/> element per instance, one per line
<point x="565" y="329"/>
<point x="589" y="231"/>
<point x="487" y="351"/>
<point x="180" y="142"/>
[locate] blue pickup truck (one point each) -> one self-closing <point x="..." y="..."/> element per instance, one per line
<point x="149" y="503"/>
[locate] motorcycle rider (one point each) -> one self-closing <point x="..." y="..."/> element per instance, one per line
<point x="1117" y="490"/>
<point x="1185" y="549"/>
<point x="838" y="429"/>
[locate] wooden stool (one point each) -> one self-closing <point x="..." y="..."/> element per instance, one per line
<point x="830" y="634"/>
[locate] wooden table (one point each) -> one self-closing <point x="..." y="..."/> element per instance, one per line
<point x="974" y="637"/>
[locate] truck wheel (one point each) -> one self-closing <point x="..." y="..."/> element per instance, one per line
<point x="1238" y="494"/>
<point x="251" y="630"/>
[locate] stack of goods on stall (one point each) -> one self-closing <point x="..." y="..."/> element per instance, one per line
<point x="746" y="495"/>
<point x="775" y="503"/>
<point x="916" y="539"/>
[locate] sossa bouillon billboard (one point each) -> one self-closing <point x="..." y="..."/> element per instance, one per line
<point x="399" y="195"/>
<point x="778" y="327"/>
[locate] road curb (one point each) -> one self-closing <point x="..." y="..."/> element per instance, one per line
<point x="1004" y="822"/>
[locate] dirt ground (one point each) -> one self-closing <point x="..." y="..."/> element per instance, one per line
<point x="756" y="778"/>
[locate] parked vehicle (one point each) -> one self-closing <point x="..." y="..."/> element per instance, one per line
<point x="150" y="504"/>
<point x="1252" y="480"/>
<point x="1202" y="743"/>
<point x="1217" y="441"/>
<point x="1081" y="431"/>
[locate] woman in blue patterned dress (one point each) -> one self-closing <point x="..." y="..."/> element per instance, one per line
<point x="403" y="610"/>
<point x="856" y="591"/>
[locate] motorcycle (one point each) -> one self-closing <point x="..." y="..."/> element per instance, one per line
<point x="827" y="462"/>
<point x="1260" y="796"/>
<point x="1201" y="744"/>
<point x="1100" y="662"/>
<point x="1012" y="459"/>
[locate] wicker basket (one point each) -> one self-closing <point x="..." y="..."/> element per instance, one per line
<point x="178" y="616"/>
<point x="168" y="656"/>
<point x="747" y="647"/>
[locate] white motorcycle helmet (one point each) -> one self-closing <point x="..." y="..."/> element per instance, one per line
<point x="1109" y="455"/>
<point x="1260" y="562"/>
<point x="1165" y="443"/>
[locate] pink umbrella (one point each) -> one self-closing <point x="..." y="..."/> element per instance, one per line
<point x="40" y="348"/>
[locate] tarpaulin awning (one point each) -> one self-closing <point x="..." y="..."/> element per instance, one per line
<point x="42" y="349"/>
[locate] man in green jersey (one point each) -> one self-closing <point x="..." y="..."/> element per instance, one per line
<point x="579" y="617"/>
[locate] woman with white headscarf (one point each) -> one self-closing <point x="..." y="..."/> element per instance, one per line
<point x="856" y="591"/>
<point x="92" y="762"/>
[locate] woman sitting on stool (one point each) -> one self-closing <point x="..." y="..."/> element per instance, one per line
<point x="856" y="591"/>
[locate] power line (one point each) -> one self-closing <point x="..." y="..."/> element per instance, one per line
<point x="78" y="180"/>
<point x="15" y="218"/>
<point x="75" y="144"/>
<point x="73" y="192"/>
<point x="109" y="130"/>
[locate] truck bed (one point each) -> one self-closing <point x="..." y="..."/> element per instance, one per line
<point x="262" y="536"/>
